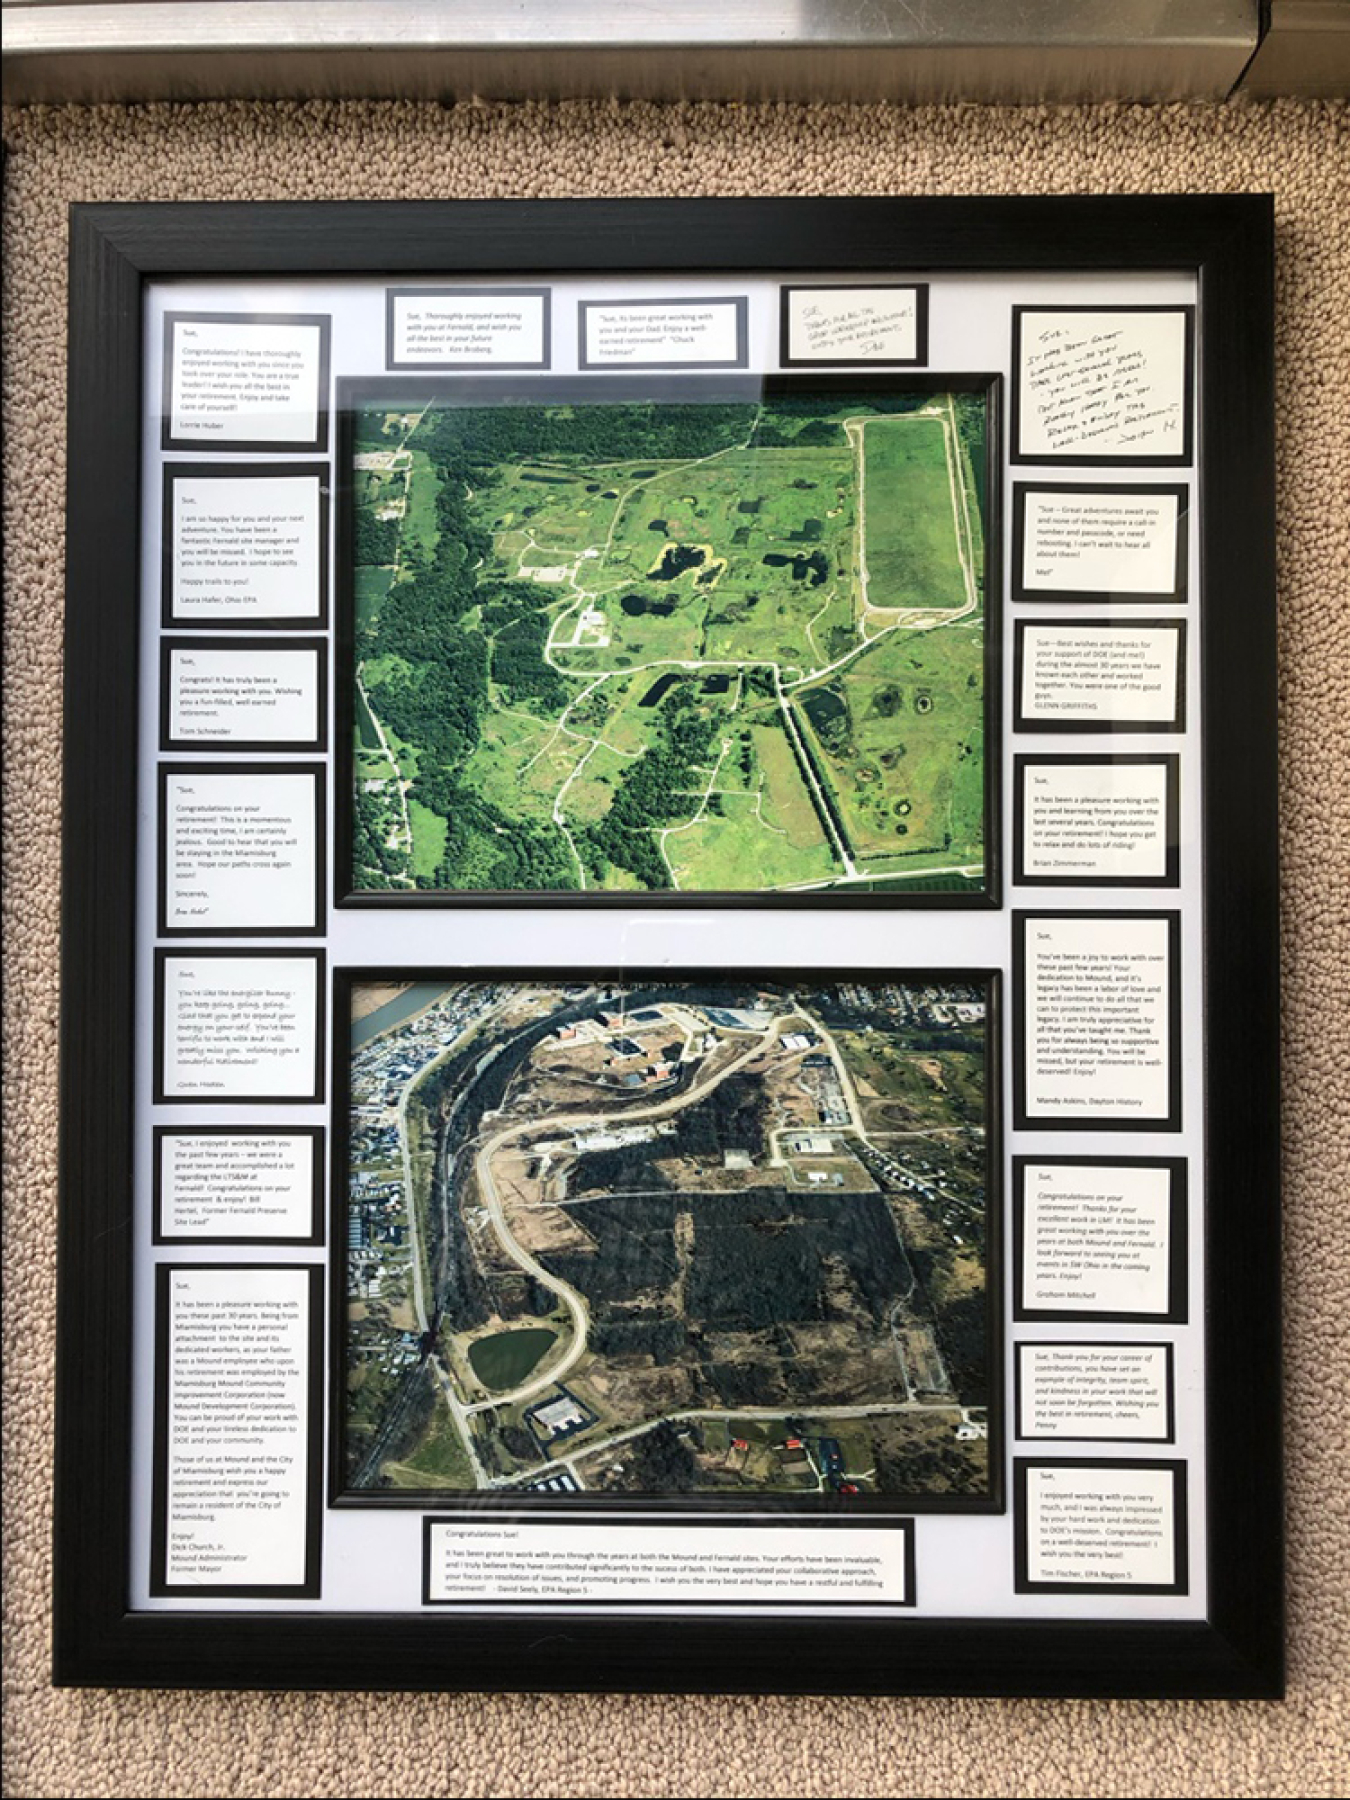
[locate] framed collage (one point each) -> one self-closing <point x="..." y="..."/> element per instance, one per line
<point x="669" y="1023"/>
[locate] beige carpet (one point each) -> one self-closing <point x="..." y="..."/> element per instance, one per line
<point x="182" y="1744"/>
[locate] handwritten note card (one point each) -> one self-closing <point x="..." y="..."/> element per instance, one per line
<point x="1102" y="384"/>
<point x="237" y="1027"/>
<point x="836" y="326"/>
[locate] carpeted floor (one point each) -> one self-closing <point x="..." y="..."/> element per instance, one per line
<point x="183" y="1744"/>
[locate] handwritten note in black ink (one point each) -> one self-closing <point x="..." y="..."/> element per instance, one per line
<point x="1103" y="385"/>
<point x="832" y="327"/>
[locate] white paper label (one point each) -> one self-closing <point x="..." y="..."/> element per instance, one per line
<point x="625" y="335"/>
<point x="675" y="1565"/>
<point x="219" y="697"/>
<point x="1097" y="1002"/>
<point x="470" y="330"/>
<point x="240" y="1026"/>
<point x="1099" y="676"/>
<point x="1102" y="383"/>
<point x="1098" y="820"/>
<point x="1089" y="1391"/>
<point x="237" y="1427"/>
<point x="1092" y="1527"/>
<point x="1096" y="1239"/>
<point x="239" y="851"/>
<point x="1100" y="543"/>
<point x="241" y="381"/>
<point x="853" y="324"/>
<point x="231" y="1185"/>
<point x="246" y="548"/>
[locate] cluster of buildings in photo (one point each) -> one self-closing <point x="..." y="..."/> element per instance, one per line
<point x="377" y="1214"/>
<point x="920" y="1005"/>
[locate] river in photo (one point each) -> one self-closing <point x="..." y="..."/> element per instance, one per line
<point x="397" y="1011"/>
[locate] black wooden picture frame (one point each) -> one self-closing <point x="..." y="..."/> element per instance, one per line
<point x="1235" y="1650"/>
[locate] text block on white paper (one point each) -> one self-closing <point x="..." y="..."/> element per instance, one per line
<point x="246" y="382"/>
<point x="663" y="334"/>
<point x="675" y="1564"/>
<point x="468" y="328"/>
<point x="235" y="1390"/>
<point x="239" y="1026"/>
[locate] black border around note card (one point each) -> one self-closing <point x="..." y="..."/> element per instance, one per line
<point x="312" y="647"/>
<point x="1169" y="1434"/>
<point x="1024" y="721"/>
<point x="311" y="1238"/>
<point x="616" y="1522"/>
<point x="1023" y="1120"/>
<point x="1228" y="1642"/>
<point x="317" y="774"/>
<point x="1174" y="594"/>
<point x="1177" y="1310"/>
<point x="214" y="444"/>
<point x="1170" y="763"/>
<point x="619" y="303"/>
<point x="919" y="289"/>
<point x="394" y="294"/>
<point x="255" y="471"/>
<point x="308" y="1587"/>
<point x="1075" y="459"/>
<point x="245" y="953"/>
<point x="1180" y="1583"/>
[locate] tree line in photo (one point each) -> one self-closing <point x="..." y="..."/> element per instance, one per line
<point x="439" y="702"/>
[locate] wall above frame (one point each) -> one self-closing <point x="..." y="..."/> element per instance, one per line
<point x="1057" y="51"/>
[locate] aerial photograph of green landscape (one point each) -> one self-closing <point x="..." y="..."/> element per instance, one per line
<point x="611" y="641"/>
<point x="721" y="1236"/>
